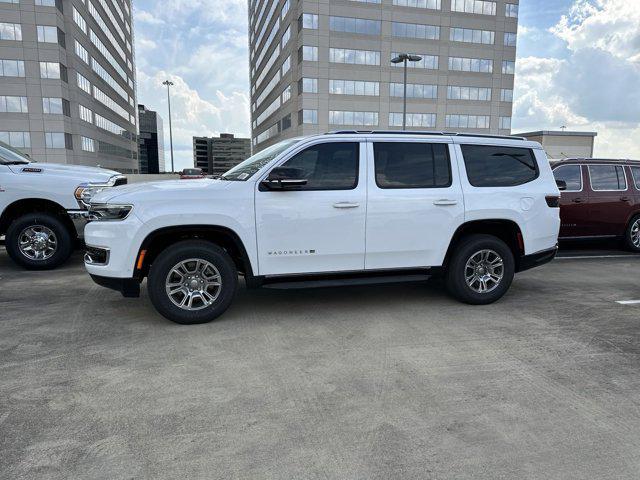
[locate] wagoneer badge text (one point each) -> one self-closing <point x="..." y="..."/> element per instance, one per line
<point x="291" y="252"/>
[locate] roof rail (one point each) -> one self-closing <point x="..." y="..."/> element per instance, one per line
<point x="421" y="132"/>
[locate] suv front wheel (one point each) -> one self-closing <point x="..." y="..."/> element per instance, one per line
<point x="481" y="270"/>
<point x="192" y="282"/>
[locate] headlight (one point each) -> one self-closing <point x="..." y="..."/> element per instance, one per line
<point x="106" y="212"/>
<point x="86" y="191"/>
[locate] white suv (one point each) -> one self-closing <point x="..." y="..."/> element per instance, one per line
<point x="340" y="208"/>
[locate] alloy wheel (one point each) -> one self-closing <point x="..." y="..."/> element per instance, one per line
<point x="193" y="284"/>
<point x="37" y="242"/>
<point x="484" y="271"/>
<point x="635" y="233"/>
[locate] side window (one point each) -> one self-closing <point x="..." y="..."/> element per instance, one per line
<point x="636" y="176"/>
<point x="495" y="166"/>
<point x="572" y="174"/>
<point x="607" y="177"/>
<point x="328" y="166"/>
<point x="412" y="165"/>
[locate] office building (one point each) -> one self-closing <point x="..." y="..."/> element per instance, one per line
<point x="67" y="81"/>
<point x="564" y="144"/>
<point x="150" y="141"/>
<point x="319" y="65"/>
<point x="216" y="155"/>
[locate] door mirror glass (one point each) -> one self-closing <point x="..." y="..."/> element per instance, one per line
<point x="285" y="178"/>
<point x="562" y="185"/>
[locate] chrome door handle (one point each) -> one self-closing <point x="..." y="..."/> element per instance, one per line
<point x="346" y="205"/>
<point x="445" y="202"/>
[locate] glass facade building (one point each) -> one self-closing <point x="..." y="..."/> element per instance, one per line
<point x="67" y="81"/>
<point x="317" y="66"/>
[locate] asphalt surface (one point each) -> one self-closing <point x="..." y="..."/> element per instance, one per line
<point x="378" y="382"/>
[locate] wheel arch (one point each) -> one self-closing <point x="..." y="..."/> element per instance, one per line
<point x="160" y="239"/>
<point x="34" y="205"/>
<point x="506" y="230"/>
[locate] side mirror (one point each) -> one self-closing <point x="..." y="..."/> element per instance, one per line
<point x="284" y="178"/>
<point x="562" y="185"/>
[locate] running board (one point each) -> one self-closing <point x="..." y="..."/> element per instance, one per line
<point x="345" y="282"/>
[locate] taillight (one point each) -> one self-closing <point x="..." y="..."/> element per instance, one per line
<point x="553" y="201"/>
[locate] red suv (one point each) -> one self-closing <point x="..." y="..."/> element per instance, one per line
<point x="600" y="199"/>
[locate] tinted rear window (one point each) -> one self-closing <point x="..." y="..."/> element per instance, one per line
<point x="636" y="176"/>
<point x="493" y="166"/>
<point x="412" y="165"/>
<point x="607" y="177"/>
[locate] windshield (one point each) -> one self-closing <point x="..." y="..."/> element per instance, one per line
<point x="11" y="156"/>
<point x="251" y="165"/>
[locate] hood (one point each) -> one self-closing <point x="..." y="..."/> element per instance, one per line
<point x="79" y="172"/>
<point x="162" y="190"/>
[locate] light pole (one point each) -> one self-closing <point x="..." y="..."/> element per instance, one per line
<point x="169" y="83"/>
<point x="405" y="57"/>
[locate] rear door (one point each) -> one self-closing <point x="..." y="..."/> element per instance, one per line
<point x="415" y="203"/>
<point x="610" y="200"/>
<point x="574" y="206"/>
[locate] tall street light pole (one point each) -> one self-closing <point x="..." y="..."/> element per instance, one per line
<point x="169" y="84"/>
<point x="404" y="58"/>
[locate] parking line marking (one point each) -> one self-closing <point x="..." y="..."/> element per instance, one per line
<point x="628" y="302"/>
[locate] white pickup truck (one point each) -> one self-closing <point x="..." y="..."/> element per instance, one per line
<point x="43" y="206"/>
<point x="341" y="208"/>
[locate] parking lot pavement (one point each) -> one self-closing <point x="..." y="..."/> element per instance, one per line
<point x="383" y="382"/>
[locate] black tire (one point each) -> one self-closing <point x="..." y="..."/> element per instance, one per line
<point x="186" y="250"/>
<point x="467" y="248"/>
<point x="64" y="241"/>
<point x="630" y="232"/>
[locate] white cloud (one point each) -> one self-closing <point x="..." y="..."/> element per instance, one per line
<point x="146" y="17"/>
<point x="595" y="86"/>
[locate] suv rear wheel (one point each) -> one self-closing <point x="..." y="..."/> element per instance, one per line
<point x="481" y="270"/>
<point x="39" y="241"/>
<point x="192" y="282"/>
<point x="632" y="234"/>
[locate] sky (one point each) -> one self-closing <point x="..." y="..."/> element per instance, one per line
<point x="578" y="66"/>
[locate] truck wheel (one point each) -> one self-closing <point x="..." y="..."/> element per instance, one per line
<point x="193" y="281"/>
<point x="39" y="241"/>
<point x="632" y="235"/>
<point x="481" y="270"/>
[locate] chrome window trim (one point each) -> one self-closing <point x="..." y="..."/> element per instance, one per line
<point x="626" y="182"/>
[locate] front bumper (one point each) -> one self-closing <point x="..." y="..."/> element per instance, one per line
<point x="527" y="262"/>
<point x="80" y="218"/>
<point x="128" y="287"/>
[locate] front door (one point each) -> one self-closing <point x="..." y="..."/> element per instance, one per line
<point x="574" y="207"/>
<point x="610" y="200"/>
<point x="415" y="203"/>
<point x="319" y="227"/>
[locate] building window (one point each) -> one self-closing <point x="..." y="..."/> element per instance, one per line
<point x="11" y="68"/>
<point x="80" y="21"/>
<point x="286" y="65"/>
<point x="88" y="144"/>
<point x="16" y="139"/>
<point x="340" y="117"/>
<point x="429" y="62"/>
<point x="10" y="104"/>
<point x="511" y="10"/>
<point x="10" y="1"/>
<point x="354" y="87"/>
<point x="414" y="90"/>
<point x="467" y="121"/>
<point x="55" y="106"/>
<point x="413" y="119"/>
<point x="286" y="94"/>
<point x="355" y="57"/>
<point x="431" y="4"/>
<point x="10" y="31"/>
<point x="509" y="39"/>
<point x="47" y="34"/>
<point x="285" y="9"/>
<point x="308" y="85"/>
<point x="466" y="35"/>
<point x="45" y="3"/>
<point x="82" y="52"/>
<point x="308" y="117"/>
<point x="479" y="7"/>
<point x="506" y="95"/>
<point x="354" y="25"/>
<point x="477" y="65"/>
<point x="508" y="67"/>
<point x="85" y="114"/>
<point x="285" y="36"/>
<point x="505" y="123"/>
<point x="286" y="122"/>
<point x="469" y="93"/>
<point x="50" y="70"/>
<point x="415" y="30"/>
<point x="57" y="140"/>
<point x="308" y="20"/>
<point x="83" y="83"/>
<point x="308" y="54"/>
